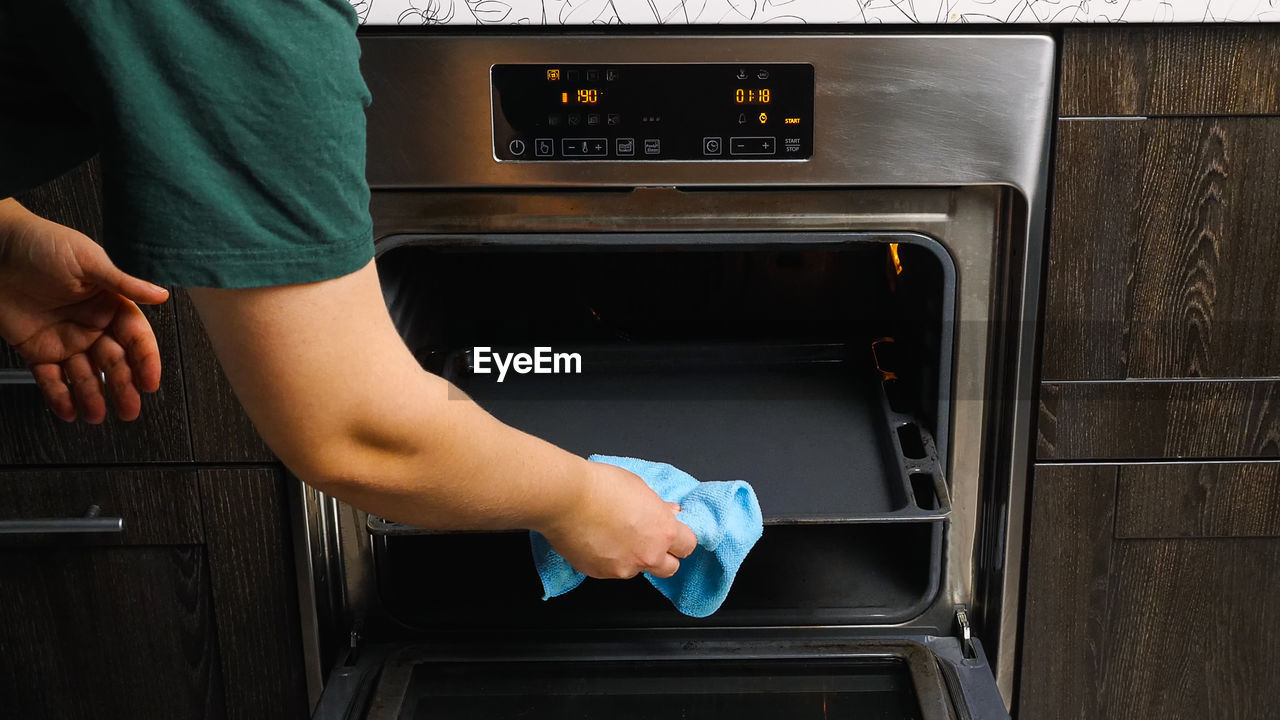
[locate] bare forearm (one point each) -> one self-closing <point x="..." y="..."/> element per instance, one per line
<point x="335" y="393"/>
<point x="439" y="461"/>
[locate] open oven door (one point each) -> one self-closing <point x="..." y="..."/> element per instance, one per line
<point x="898" y="678"/>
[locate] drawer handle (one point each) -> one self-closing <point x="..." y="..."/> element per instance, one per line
<point x="92" y="522"/>
<point x="16" y="377"/>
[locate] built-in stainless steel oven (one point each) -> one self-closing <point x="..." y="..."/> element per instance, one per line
<point x="806" y="261"/>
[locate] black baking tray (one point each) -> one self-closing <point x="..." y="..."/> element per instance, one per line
<point x="809" y="426"/>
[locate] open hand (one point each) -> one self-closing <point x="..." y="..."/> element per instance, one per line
<point x="72" y="315"/>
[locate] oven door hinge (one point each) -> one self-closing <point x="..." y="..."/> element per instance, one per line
<point x="965" y="632"/>
<point x="353" y="649"/>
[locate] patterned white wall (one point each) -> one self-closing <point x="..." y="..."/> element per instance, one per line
<point x="742" y="12"/>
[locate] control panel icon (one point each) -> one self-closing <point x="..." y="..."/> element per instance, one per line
<point x="544" y="147"/>
<point x="711" y="146"/>
<point x="584" y="147"/>
<point x="516" y="147"/>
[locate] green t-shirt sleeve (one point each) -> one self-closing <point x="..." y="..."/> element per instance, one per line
<point x="232" y="137"/>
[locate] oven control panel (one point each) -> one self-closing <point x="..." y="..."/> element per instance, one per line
<point x="715" y="112"/>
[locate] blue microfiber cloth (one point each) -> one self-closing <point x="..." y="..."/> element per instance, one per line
<point x="725" y="517"/>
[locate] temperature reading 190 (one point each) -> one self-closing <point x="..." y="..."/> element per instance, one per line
<point x="751" y="96"/>
<point x="584" y="96"/>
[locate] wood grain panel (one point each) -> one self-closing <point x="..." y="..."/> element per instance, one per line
<point x="255" y="594"/>
<point x="159" y="507"/>
<point x="29" y="433"/>
<point x="1164" y="252"/>
<point x="1170" y="70"/>
<point x="1068" y="565"/>
<point x="1199" y="500"/>
<point x="220" y="429"/>
<point x="1193" y="630"/>
<point x="74" y="200"/>
<point x="107" y="633"/>
<point x="1159" y="419"/>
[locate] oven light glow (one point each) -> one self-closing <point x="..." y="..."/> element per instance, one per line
<point x="897" y="262"/>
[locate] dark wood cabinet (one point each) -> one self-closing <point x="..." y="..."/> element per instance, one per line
<point x="189" y="612"/>
<point x="111" y="624"/>
<point x="1164" y="252"/>
<point x="1163" y="265"/>
<point x="1147" y="584"/>
<point x="1149" y="592"/>
<point x="108" y="632"/>
<point x="1162" y="419"/>
<point x="1156" y="70"/>
<point x="254" y="591"/>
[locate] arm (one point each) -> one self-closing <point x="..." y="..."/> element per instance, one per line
<point x="336" y="394"/>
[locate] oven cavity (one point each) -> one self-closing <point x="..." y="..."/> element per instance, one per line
<point x="814" y="366"/>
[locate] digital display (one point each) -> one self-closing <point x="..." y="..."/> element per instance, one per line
<point x="752" y="96"/>
<point x="637" y="112"/>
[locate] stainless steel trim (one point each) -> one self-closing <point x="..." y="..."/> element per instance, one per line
<point x="311" y="559"/>
<point x="17" y="377"/>
<point x="24" y="377"/>
<point x="891" y="111"/>
<point x="1165" y="381"/>
<point x="1103" y="117"/>
<point x="90" y="522"/>
<point x="1165" y="461"/>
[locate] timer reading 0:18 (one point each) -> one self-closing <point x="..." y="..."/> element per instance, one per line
<point x="752" y="96"/>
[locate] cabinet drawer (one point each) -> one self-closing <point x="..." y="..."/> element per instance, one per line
<point x="1170" y="70"/>
<point x="1164" y="250"/>
<point x="1200" y="500"/>
<point x="31" y="435"/>
<point x="157" y="507"/>
<point x="109" y="634"/>
<point x="1145" y="598"/>
<point x="1151" y="420"/>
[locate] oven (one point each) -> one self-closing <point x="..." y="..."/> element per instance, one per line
<point x="810" y="262"/>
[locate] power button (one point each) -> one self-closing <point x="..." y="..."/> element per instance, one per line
<point x="516" y="147"/>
